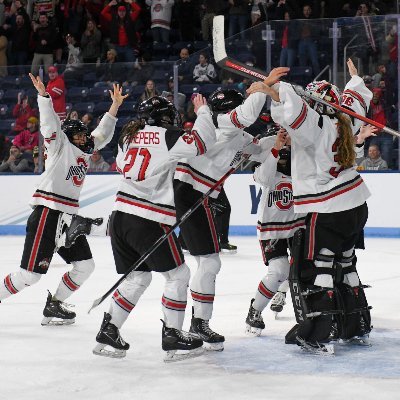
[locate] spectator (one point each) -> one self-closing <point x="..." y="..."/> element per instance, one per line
<point x="204" y="71"/>
<point x="91" y="43"/>
<point x="379" y="75"/>
<point x="35" y="157"/>
<point x="3" y="53"/>
<point x="288" y="35"/>
<point x="97" y="163"/>
<point x="27" y="139"/>
<point x="18" y="8"/>
<point x="187" y="13"/>
<point x="110" y="71"/>
<point x="73" y="68"/>
<point x="122" y="17"/>
<point x="374" y="161"/>
<point x="185" y="66"/>
<point x="211" y="9"/>
<point x="4" y="145"/>
<point x="308" y="41"/>
<point x="56" y="89"/>
<point x="15" y="162"/>
<point x="169" y="94"/>
<point x="238" y="17"/>
<point x="73" y="114"/>
<point x="44" y="38"/>
<point x="43" y="7"/>
<point x="141" y="71"/>
<point x="19" y="35"/>
<point x="149" y="91"/>
<point x="22" y="111"/>
<point x="88" y="120"/>
<point x="256" y="12"/>
<point x="161" y="13"/>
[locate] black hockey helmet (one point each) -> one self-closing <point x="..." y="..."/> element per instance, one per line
<point x="225" y="100"/>
<point x="284" y="163"/>
<point x="73" y="127"/>
<point x="158" y="110"/>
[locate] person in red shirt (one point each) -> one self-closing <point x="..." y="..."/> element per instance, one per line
<point x="121" y="18"/>
<point x="22" y="111"/>
<point x="28" y="138"/>
<point x="56" y="89"/>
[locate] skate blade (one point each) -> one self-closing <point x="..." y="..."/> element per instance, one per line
<point x="100" y="350"/>
<point x="185" y="251"/>
<point x="228" y="251"/>
<point x="173" y="355"/>
<point x="327" y="351"/>
<point x="52" y="321"/>
<point x="251" y="331"/>
<point x="213" y="346"/>
<point x="357" y="341"/>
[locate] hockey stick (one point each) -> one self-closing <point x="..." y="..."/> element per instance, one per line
<point x="229" y="64"/>
<point x="185" y="216"/>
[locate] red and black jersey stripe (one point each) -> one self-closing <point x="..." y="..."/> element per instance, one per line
<point x="328" y="194"/>
<point x="197" y="175"/>
<point x="300" y="118"/>
<point x="356" y="96"/>
<point x="280" y="226"/>
<point x="56" y="198"/>
<point x="235" y="120"/>
<point x="145" y="204"/>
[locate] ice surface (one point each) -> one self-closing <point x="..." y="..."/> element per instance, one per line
<point x="56" y="362"/>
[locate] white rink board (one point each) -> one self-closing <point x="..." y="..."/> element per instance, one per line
<point x="99" y="191"/>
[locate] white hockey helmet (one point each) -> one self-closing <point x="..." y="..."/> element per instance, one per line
<point x="326" y="91"/>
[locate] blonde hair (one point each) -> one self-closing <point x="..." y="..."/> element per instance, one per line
<point x="345" y="154"/>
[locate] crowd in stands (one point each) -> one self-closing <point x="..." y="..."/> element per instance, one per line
<point x="81" y="47"/>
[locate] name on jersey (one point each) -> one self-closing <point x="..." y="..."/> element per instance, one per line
<point x="146" y="138"/>
<point x="77" y="173"/>
<point x="282" y="196"/>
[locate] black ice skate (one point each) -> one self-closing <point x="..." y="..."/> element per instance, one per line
<point x="228" y="248"/>
<point x="79" y="226"/>
<point x="55" y="312"/>
<point x="109" y="336"/>
<point x="277" y="302"/>
<point x="254" y="321"/>
<point x="212" y="340"/>
<point x="315" y="347"/>
<point x="174" y="340"/>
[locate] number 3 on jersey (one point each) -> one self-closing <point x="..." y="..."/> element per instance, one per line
<point x="131" y="158"/>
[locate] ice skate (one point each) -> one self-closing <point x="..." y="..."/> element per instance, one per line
<point x="315" y="347"/>
<point x="254" y="321"/>
<point x="358" y="341"/>
<point x="201" y="329"/>
<point x="79" y="226"/>
<point x="110" y="342"/>
<point x="228" y="248"/>
<point x="277" y="303"/>
<point x="55" y="312"/>
<point x="180" y="345"/>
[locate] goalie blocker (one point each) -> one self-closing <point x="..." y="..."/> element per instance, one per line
<point x="325" y="314"/>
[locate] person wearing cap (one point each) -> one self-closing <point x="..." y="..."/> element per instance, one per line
<point x="122" y="19"/>
<point x="22" y="111"/>
<point x="15" y="162"/>
<point x="27" y="139"/>
<point x="44" y="38"/>
<point x="56" y="89"/>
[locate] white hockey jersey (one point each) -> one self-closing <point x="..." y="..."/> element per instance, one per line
<point x="66" y="165"/>
<point x="204" y="171"/>
<point x="319" y="183"/>
<point x="276" y="216"/>
<point x="148" y="164"/>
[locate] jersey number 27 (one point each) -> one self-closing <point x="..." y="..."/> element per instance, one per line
<point x="132" y="156"/>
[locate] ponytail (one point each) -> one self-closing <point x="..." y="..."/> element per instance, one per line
<point x="345" y="154"/>
<point x="130" y="130"/>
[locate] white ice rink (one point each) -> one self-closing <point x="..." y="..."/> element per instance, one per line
<point x="57" y="363"/>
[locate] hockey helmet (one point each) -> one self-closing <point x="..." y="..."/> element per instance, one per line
<point x="158" y="110"/>
<point x="326" y="91"/>
<point x="225" y="100"/>
<point x="284" y="163"/>
<point x="73" y="127"/>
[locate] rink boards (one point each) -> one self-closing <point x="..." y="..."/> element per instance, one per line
<point x="99" y="191"/>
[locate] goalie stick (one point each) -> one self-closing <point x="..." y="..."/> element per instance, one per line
<point x="229" y="64"/>
<point x="185" y="216"/>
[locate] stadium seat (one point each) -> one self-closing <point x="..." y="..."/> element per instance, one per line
<point x="102" y="107"/>
<point x="77" y="94"/>
<point x="9" y="82"/>
<point x="97" y="94"/>
<point x="4" y="111"/>
<point x="10" y="96"/>
<point x="85" y="107"/>
<point x="89" y="79"/>
<point x="6" y="125"/>
<point x="127" y="109"/>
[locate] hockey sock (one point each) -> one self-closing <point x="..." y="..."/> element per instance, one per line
<point x="127" y="296"/>
<point x="16" y="281"/>
<point x="278" y="271"/>
<point x="72" y="280"/>
<point x="102" y="229"/>
<point x="203" y="285"/>
<point x="174" y="298"/>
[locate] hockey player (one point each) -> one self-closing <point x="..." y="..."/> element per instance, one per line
<point x="327" y="186"/>
<point x="143" y="211"/>
<point x="276" y="225"/>
<point x="68" y="148"/>
<point x="195" y="177"/>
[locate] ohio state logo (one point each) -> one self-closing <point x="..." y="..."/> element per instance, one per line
<point x="77" y="173"/>
<point x="282" y="196"/>
<point x="189" y="137"/>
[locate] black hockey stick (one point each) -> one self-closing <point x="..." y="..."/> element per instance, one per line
<point x="229" y="64"/>
<point x="185" y="216"/>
